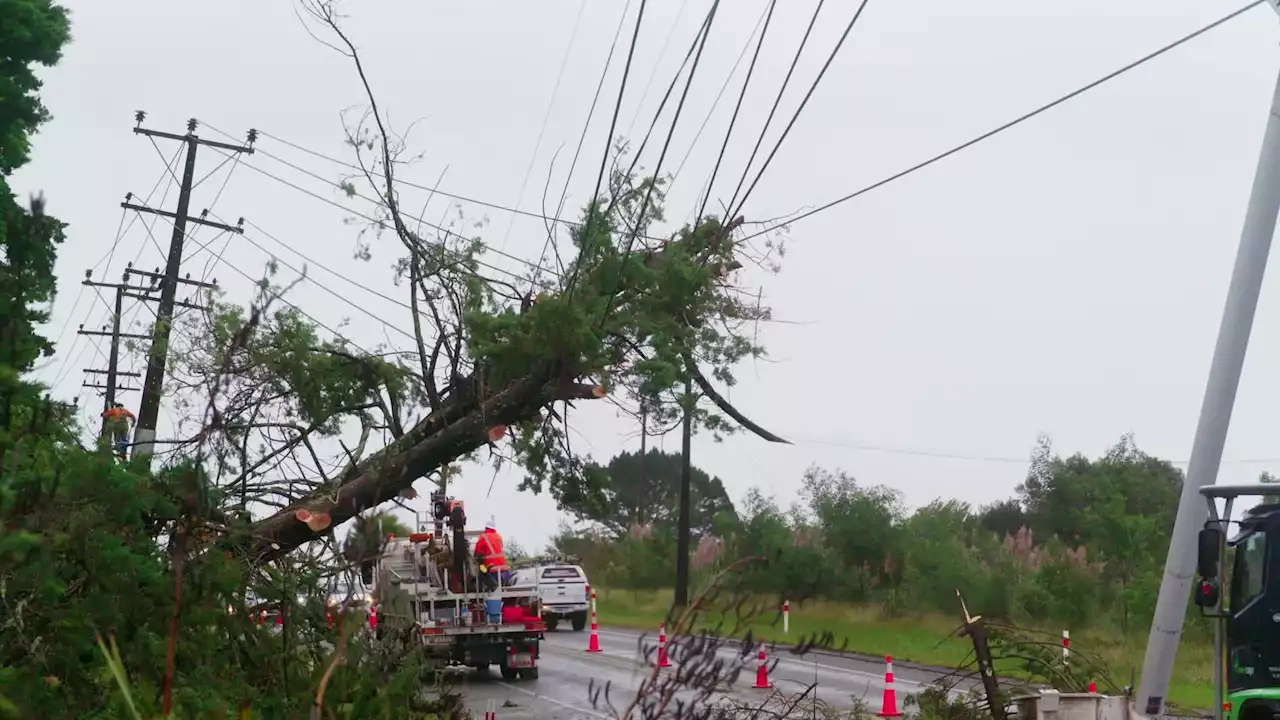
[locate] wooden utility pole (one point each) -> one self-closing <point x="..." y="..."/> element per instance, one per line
<point x="644" y="460"/>
<point x="152" y="388"/>
<point x="686" y="480"/>
<point x="113" y="372"/>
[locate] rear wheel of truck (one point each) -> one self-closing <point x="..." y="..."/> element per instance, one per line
<point x="553" y="623"/>
<point x="508" y="672"/>
<point x="579" y="621"/>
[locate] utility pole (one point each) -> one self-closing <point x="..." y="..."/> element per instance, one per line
<point x="686" y="478"/>
<point x="152" y="388"/>
<point x="644" y="459"/>
<point x="113" y="371"/>
<point x="1215" y="415"/>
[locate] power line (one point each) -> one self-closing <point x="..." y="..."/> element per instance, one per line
<point x="109" y="257"/>
<point x="564" y="192"/>
<point x="406" y="183"/>
<point x="380" y="223"/>
<point x="769" y="120"/>
<point x="1016" y="121"/>
<point x="657" y="169"/>
<point x="258" y="283"/>
<point x="948" y="455"/>
<point x="734" y="120"/>
<point x="608" y="143"/>
<point x="324" y="287"/>
<point x="564" y="62"/>
<point x="729" y="78"/>
<point x="657" y="64"/>
<point x="675" y="79"/>
<point x="787" y="130"/>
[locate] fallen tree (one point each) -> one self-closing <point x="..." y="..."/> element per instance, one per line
<point x="499" y="363"/>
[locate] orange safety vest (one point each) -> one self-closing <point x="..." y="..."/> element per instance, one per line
<point x="489" y="550"/>
<point x="117" y="414"/>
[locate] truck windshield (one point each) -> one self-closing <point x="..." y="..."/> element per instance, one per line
<point x="1249" y="572"/>
<point x="1252" y="661"/>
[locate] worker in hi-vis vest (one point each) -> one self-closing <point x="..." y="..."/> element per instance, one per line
<point x="490" y="557"/>
<point x="119" y="423"/>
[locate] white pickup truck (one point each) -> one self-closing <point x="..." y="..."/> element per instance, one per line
<point x="562" y="588"/>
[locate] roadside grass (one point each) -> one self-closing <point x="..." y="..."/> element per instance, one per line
<point x="928" y="638"/>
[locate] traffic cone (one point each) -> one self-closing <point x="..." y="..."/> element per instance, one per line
<point x="889" y="705"/>
<point x="762" y="672"/>
<point x="594" y="644"/>
<point x="663" y="660"/>
<point x="491" y="710"/>
<point x="373" y="617"/>
<point x="1093" y="688"/>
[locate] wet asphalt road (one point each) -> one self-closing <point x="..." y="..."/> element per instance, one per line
<point x="567" y="673"/>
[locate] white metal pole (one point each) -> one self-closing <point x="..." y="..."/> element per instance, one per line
<point x="1215" y="416"/>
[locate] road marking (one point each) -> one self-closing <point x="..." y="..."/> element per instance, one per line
<point x="553" y="701"/>
<point x="793" y="663"/>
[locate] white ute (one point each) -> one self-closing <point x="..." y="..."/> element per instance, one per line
<point x="562" y="588"/>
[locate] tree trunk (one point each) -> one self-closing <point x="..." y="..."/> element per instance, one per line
<point x="460" y="427"/>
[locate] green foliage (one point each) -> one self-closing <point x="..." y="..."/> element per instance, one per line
<point x="629" y="313"/>
<point x="99" y="563"/>
<point x="32" y="32"/>
<point x="641" y="490"/>
<point x="1086" y="548"/>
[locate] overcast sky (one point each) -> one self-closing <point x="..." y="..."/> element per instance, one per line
<point x="1065" y="277"/>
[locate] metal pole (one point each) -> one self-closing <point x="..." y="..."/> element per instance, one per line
<point x="1215" y="416"/>
<point x="1218" y="656"/>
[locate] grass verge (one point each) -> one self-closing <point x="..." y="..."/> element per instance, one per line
<point x="927" y="638"/>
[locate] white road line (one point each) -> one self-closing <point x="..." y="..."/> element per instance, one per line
<point x="792" y="662"/>
<point x="561" y="703"/>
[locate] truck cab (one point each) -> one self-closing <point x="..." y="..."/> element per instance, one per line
<point x="1247" y="638"/>
<point x="562" y="587"/>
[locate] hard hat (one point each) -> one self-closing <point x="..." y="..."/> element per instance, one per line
<point x="491" y="525"/>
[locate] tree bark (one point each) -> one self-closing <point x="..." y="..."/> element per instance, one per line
<point x="460" y="427"/>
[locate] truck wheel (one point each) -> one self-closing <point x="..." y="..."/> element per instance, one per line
<point x="508" y="672"/>
<point x="529" y="673"/>
<point x="579" y="621"/>
<point x="553" y="623"/>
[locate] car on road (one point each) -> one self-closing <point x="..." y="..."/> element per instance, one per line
<point x="563" y="588"/>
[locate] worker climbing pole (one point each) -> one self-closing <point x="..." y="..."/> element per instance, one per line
<point x="117" y="424"/>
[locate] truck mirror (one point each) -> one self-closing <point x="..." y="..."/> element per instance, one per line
<point x="1209" y="551"/>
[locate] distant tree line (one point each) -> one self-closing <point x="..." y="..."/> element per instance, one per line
<point x="1082" y="540"/>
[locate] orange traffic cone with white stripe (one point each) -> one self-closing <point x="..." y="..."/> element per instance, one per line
<point x="594" y="645"/>
<point x="762" y="672"/>
<point x="373" y="617"/>
<point x="663" y="660"/>
<point x="491" y="710"/>
<point x="889" y="705"/>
